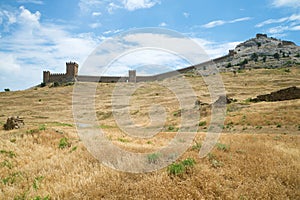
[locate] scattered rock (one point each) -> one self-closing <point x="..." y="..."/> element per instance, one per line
<point x="14" y="123"/>
<point x="224" y="100"/>
<point x="200" y="103"/>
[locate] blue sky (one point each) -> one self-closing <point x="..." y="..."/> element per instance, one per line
<point x="43" y="34"/>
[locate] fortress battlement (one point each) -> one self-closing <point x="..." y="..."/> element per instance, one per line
<point x="57" y="74"/>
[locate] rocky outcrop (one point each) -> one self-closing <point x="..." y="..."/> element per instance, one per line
<point x="13" y="123"/>
<point x="280" y="95"/>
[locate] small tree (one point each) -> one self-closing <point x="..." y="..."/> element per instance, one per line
<point x="276" y="56"/>
<point x="254" y="57"/>
<point x="6" y="89"/>
<point x="228" y="65"/>
<point x="258" y="44"/>
<point x="264" y="58"/>
<point x="244" y="62"/>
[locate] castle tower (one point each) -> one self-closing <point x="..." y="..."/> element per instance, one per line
<point x="72" y="69"/>
<point x="46" y="76"/>
<point x="132" y="76"/>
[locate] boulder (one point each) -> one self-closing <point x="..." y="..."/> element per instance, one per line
<point x="14" y="123"/>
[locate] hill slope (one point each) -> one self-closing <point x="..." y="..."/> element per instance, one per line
<point x="258" y="155"/>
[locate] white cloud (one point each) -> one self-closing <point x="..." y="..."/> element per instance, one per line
<point x="7" y="19"/>
<point x="159" y="51"/>
<point x="132" y="5"/>
<point x="278" y="29"/>
<point x="40" y="2"/>
<point x="87" y="6"/>
<point x="216" y="49"/>
<point x="95" y="14"/>
<point x="95" y="25"/>
<point x="186" y="14"/>
<point x="281" y="29"/>
<point x="286" y="3"/>
<point x="111" y="7"/>
<point x="240" y="19"/>
<point x="214" y="24"/>
<point x="112" y="31"/>
<point x="8" y="64"/>
<point x="290" y="23"/>
<point x="291" y="18"/>
<point x="163" y="24"/>
<point x="32" y="47"/>
<point x="222" y="22"/>
<point x="295" y="28"/>
<point x="29" y="18"/>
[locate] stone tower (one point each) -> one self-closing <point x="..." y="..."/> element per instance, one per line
<point x="72" y="69"/>
<point x="132" y="76"/>
<point x="46" y="76"/>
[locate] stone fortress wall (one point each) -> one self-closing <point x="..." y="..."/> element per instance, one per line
<point x="71" y="74"/>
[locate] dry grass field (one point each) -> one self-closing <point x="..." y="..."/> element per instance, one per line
<point x="256" y="157"/>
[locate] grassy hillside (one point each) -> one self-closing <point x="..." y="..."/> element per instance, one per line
<point x="257" y="156"/>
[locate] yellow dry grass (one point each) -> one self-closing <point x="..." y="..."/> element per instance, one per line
<point x="261" y="159"/>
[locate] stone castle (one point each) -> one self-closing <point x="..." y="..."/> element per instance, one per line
<point x="69" y="76"/>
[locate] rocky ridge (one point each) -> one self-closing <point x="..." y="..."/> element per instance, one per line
<point x="261" y="52"/>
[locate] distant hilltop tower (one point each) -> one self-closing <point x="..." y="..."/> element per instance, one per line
<point x="69" y="76"/>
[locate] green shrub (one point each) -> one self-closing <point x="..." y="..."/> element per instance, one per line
<point x="7" y="164"/>
<point x="172" y="128"/>
<point x="223" y="147"/>
<point x="43" y="84"/>
<point x="276" y="56"/>
<point x="254" y="57"/>
<point x="176" y="169"/>
<point x="56" y="84"/>
<point x="6" y="89"/>
<point x="189" y="162"/>
<point x="229" y="65"/>
<point x="202" y="123"/>
<point x="36" y="182"/>
<point x="10" y="154"/>
<point x="213" y="161"/>
<point x="42" y="127"/>
<point x="41" y="198"/>
<point x="63" y="143"/>
<point x="197" y="146"/>
<point x="181" y="167"/>
<point x="153" y="158"/>
<point x="123" y="140"/>
<point x="177" y="113"/>
<point x="278" y="126"/>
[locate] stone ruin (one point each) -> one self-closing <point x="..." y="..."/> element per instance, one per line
<point x="280" y="95"/>
<point x="13" y="123"/>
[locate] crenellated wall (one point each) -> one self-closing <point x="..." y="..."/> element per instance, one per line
<point x="69" y="76"/>
<point x="72" y="73"/>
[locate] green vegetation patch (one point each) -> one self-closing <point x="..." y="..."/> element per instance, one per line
<point x="182" y="167"/>
<point x="64" y="143"/>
